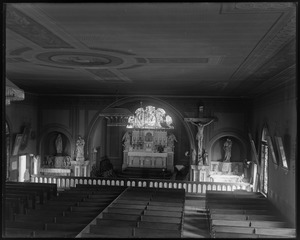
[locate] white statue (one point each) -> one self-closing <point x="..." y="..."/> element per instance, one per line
<point x="58" y="144"/>
<point x="79" y="151"/>
<point x="171" y="139"/>
<point x="126" y="139"/>
<point x="227" y="149"/>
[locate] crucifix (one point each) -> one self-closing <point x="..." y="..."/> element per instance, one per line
<point x="200" y="123"/>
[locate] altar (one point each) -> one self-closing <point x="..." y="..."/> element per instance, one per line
<point x="148" y="148"/>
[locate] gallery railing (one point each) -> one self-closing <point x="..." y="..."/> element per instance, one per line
<point x="65" y="182"/>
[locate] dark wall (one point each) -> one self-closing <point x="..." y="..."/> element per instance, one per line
<point x="278" y="112"/>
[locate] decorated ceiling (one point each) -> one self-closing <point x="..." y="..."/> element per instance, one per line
<point x="239" y="49"/>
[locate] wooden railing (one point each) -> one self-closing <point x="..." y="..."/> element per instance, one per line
<point x="65" y="182"/>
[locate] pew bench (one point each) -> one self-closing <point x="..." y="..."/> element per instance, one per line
<point x="160" y="219"/>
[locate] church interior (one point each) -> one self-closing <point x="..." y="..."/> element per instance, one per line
<point x="149" y="120"/>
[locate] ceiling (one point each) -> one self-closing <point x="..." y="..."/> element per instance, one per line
<point x="237" y="49"/>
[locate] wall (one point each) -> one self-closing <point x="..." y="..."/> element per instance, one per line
<point x="18" y="114"/>
<point x="75" y="116"/>
<point x="278" y="111"/>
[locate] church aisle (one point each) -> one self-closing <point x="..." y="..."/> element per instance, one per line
<point x="195" y="218"/>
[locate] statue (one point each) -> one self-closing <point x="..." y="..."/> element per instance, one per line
<point x="79" y="151"/>
<point x="126" y="139"/>
<point x="58" y="144"/>
<point x="171" y="139"/>
<point x="227" y="149"/>
<point x="199" y="136"/>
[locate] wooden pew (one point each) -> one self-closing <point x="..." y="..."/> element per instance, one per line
<point x="164" y="208"/>
<point x="33" y="196"/>
<point x="26" y="224"/>
<point x="130" y="217"/>
<point x="131" y="206"/>
<point x="233" y="229"/>
<point x="156" y="233"/>
<point x="125" y="211"/>
<point x="234" y="235"/>
<point x="74" y="227"/>
<point x="239" y="211"/>
<point x="23" y="199"/>
<point x="288" y="232"/>
<point x="159" y="225"/>
<point x="112" y="231"/>
<point x="49" y="188"/>
<point x="163" y="213"/>
<point x="168" y="204"/>
<point x="160" y="219"/>
<point x="17" y="205"/>
<point x="135" y="202"/>
<point x="115" y="222"/>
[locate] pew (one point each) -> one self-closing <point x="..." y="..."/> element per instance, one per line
<point x="163" y="213"/>
<point x="113" y="231"/>
<point x="156" y="233"/>
<point x="159" y="225"/>
<point x="49" y="188"/>
<point x="274" y="231"/>
<point x="160" y="219"/>
<point x="131" y="206"/>
<point x="125" y="211"/>
<point x="115" y="222"/>
<point x="130" y="217"/>
<point x="164" y="208"/>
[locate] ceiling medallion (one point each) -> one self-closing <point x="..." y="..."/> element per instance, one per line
<point x="79" y="59"/>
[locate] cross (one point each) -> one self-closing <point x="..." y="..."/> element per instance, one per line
<point x="200" y="123"/>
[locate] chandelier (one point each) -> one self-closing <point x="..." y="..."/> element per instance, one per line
<point x="13" y="93"/>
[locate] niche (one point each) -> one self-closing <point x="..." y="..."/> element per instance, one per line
<point x="237" y="151"/>
<point x="49" y="144"/>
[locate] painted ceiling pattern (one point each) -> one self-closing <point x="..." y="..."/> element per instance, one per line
<point x="45" y="44"/>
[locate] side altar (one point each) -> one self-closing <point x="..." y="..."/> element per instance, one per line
<point x="63" y="165"/>
<point x="148" y="148"/>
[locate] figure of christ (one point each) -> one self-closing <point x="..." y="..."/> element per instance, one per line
<point x="199" y="136"/>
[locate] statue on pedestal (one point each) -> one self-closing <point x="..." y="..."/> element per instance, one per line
<point x="126" y="139"/>
<point x="58" y="145"/>
<point x="79" y="151"/>
<point x="227" y="149"/>
<point x="171" y="139"/>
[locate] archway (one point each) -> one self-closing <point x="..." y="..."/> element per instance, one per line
<point x="221" y="137"/>
<point x="49" y="134"/>
<point x="134" y="103"/>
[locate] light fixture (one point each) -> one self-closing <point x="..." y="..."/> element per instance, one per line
<point x="116" y="116"/>
<point x="13" y="93"/>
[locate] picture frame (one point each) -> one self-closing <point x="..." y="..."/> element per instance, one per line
<point x="17" y="144"/>
<point x="271" y="147"/>
<point x="281" y="152"/>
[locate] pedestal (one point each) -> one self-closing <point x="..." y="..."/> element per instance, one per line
<point x="199" y="173"/>
<point x="80" y="168"/>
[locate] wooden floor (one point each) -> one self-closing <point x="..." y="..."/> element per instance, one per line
<point x="195" y="218"/>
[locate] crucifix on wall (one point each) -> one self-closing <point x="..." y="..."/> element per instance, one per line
<point x="201" y="122"/>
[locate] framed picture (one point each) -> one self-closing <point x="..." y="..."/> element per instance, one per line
<point x="271" y="147"/>
<point x="253" y="149"/>
<point x="281" y="152"/>
<point x="26" y="135"/>
<point x="17" y="144"/>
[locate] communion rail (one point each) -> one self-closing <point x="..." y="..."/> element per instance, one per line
<point x="65" y="182"/>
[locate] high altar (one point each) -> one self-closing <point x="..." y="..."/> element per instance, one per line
<point x="148" y="149"/>
<point x="147" y="144"/>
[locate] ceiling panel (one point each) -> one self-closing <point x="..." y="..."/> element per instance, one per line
<point x="149" y="48"/>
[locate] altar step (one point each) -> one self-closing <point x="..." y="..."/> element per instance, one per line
<point x="151" y="173"/>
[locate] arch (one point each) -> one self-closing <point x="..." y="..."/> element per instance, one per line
<point x="172" y="111"/>
<point x="226" y="133"/>
<point x="55" y="128"/>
